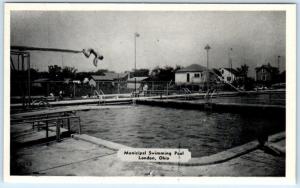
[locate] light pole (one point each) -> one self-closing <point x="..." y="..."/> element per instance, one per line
<point x="135" y="36"/>
<point x="207" y="48"/>
<point x="278" y="63"/>
<point x="230" y="58"/>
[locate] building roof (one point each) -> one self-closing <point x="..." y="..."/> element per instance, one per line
<point x="268" y="67"/>
<point x="41" y="80"/>
<point x="138" y="79"/>
<point x="109" y="76"/>
<point x="192" y="68"/>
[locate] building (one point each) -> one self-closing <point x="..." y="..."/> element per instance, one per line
<point x="136" y="82"/>
<point x="109" y="79"/>
<point x="193" y="74"/>
<point x="41" y="82"/>
<point x="228" y="74"/>
<point x="266" y="74"/>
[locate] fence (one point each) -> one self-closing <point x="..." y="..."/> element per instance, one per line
<point x="71" y="90"/>
<point x="67" y="90"/>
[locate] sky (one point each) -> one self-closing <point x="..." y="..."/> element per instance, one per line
<point x="166" y="38"/>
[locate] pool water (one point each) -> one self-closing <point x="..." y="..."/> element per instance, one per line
<point x="203" y="133"/>
<point x="270" y="98"/>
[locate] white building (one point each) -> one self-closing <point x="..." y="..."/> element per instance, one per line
<point x="228" y="74"/>
<point x="193" y="74"/>
<point x="109" y="78"/>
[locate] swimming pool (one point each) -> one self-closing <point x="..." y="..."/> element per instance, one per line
<point x="203" y="133"/>
<point x="276" y="98"/>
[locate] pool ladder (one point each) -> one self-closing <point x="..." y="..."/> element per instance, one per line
<point x="186" y="92"/>
<point x="100" y="96"/>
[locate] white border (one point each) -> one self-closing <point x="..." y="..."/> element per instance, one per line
<point x="291" y="91"/>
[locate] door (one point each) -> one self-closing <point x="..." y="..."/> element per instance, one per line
<point x="188" y="77"/>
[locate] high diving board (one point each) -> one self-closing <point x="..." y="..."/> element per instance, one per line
<point x="63" y="110"/>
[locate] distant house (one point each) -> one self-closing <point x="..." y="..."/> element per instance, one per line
<point x="193" y="74"/>
<point x="71" y="81"/>
<point x="67" y="80"/>
<point x="136" y="82"/>
<point x="40" y="82"/>
<point x="76" y="82"/>
<point x="108" y="79"/>
<point x="228" y="74"/>
<point x="266" y="73"/>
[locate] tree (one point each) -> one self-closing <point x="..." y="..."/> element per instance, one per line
<point x="69" y="72"/>
<point x="43" y="74"/>
<point x="242" y="74"/>
<point x="82" y="75"/>
<point x="177" y="67"/>
<point x="249" y="83"/>
<point x="101" y="71"/>
<point x="164" y="74"/>
<point x="141" y="72"/>
<point x="275" y="76"/>
<point x="282" y="77"/>
<point x="243" y="70"/>
<point x="19" y="76"/>
<point x="55" y="72"/>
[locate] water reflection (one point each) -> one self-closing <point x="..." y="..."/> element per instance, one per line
<point x="201" y="132"/>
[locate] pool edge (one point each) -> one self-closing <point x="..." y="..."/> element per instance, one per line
<point x="220" y="157"/>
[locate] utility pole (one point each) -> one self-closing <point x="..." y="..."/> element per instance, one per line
<point x="135" y="36"/>
<point x="278" y="61"/>
<point x="230" y="58"/>
<point x="62" y="61"/>
<point x="74" y="89"/>
<point x="207" y="48"/>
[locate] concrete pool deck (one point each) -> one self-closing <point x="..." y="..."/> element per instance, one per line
<point x="86" y="157"/>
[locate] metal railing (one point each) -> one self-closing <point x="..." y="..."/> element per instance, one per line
<point x="46" y="122"/>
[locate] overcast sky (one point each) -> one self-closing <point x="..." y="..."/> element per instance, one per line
<point x="166" y="38"/>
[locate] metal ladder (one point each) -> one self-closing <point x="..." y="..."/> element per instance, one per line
<point x="100" y="96"/>
<point x="186" y="92"/>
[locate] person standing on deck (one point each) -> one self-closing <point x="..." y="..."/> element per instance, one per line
<point x="145" y="89"/>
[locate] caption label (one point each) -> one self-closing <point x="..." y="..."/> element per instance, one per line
<point x="154" y="155"/>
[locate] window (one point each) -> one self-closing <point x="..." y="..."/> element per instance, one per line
<point x="228" y="78"/>
<point x="263" y="77"/>
<point x="197" y="75"/>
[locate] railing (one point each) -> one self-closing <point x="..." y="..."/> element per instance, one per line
<point x="46" y="122"/>
<point x="100" y="96"/>
<point x="224" y="81"/>
<point x="41" y="102"/>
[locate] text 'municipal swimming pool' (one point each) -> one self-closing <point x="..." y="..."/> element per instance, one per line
<point x="154" y="155"/>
